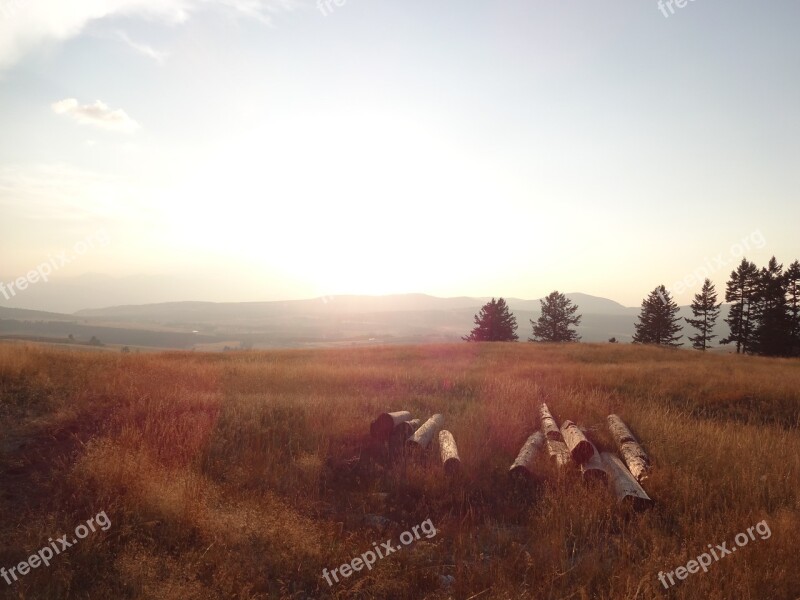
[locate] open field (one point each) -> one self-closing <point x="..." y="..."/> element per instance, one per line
<point x="245" y="475"/>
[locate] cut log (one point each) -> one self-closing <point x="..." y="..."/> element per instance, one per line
<point x="619" y="430"/>
<point x="635" y="457"/>
<point x="400" y="434"/>
<point x="559" y="452"/>
<point x="383" y="426"/>
<point x="580" y="448"/>
<point x="594" y="468"/>
<point x="422" y="437"/>
<point x="449" y="451"/>
<point x="623" y="484"/>
<point x="523" y="465"/>
<point x="549" y="425"/>
<point x="637" y="461"/>
<point x="406" y="428"/>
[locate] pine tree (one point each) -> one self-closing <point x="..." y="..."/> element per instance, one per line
<point x="741" y="292"/>
<point x="494" y="323"/>
<point x="706" y="311"/>
<point x="553" y="325"/>
<point x="658" y="321"/>
<point x="773" y="334"/>
<point x="793" y="299"/>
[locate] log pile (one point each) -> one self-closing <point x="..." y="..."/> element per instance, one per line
<point x="566" y="444"/>
<point x="397" y="431"/>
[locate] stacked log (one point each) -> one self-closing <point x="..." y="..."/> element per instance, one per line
<point x="559" y="452"/>
<point x="594" y="468"/>
<point x="422" y="437"/>
<point x="580" y="449"/>
<point x="623" y="484"/>
<point x="549" y="425"/>
<point x="555" y="441"/>
<point x="401" y="433"/>
<point x="635" y="457"/>
<point x="523" y="465"/>
<point x="382" y="427"/>
<point x="407" y="428"/>
<point x="449" y="452"/>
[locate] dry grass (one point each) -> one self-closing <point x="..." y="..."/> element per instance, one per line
<point x="227" y="476"/>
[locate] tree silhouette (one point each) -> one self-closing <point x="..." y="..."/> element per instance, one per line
<point x="773" y="335"/>
<point x="553" y="325"/>
<point x="658" y="323"/>
<point x="793" y="299"/>
<point x="741" y="292"/>
<point x="706" y="311"/>
<point x="494" y="323"/>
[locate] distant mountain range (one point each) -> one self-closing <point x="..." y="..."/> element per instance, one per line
<point x="331" y="320"/>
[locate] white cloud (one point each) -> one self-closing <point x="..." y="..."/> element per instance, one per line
<point x="143" y="49"/>
<point x="98" y="114"/>
<point x="33" y="23"/>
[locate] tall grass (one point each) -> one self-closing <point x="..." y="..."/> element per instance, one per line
<point x="244" y="475"/>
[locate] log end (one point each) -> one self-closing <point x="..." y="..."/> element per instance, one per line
<point x="594" y="475"/>
<point x="382" y="427"/>
<point x="582" y="452"/>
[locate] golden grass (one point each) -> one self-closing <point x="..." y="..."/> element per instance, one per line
<point x="229" y="476"/>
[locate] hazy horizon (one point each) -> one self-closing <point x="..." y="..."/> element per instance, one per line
<point x="268" y="150"/>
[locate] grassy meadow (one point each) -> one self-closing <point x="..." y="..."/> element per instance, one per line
<point x="244" y="475"/>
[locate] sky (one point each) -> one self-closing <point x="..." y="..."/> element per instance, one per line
<point x="247" y="150"/>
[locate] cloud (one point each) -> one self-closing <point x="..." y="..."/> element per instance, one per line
<point x="98" y="114"/>
<point x="28" y="24"/>
<point x="143" y="49"/>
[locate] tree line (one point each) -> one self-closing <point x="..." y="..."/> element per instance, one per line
<point x="763" y="317"/>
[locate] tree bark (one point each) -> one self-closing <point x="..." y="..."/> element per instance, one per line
<point x="635" y="457"/>
<point x="523" y="465"/>
<point x="559" y="452"/>
<point x="449" y="452"/>
<point x="422" y="437"/>
<point x="580" y="448"/>
<point x="549" y="425"/>
<point x="623" y="484"/>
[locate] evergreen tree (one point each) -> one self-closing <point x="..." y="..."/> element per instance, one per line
<point x="553" y="325"/>
<point x="773" y="334"/>
<point x="658" y="321"/>
<point x="793" y="298"/>
<point x="741" y="292"/>
<point x="494" y="323"/>
<point x="706" y="311"/>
